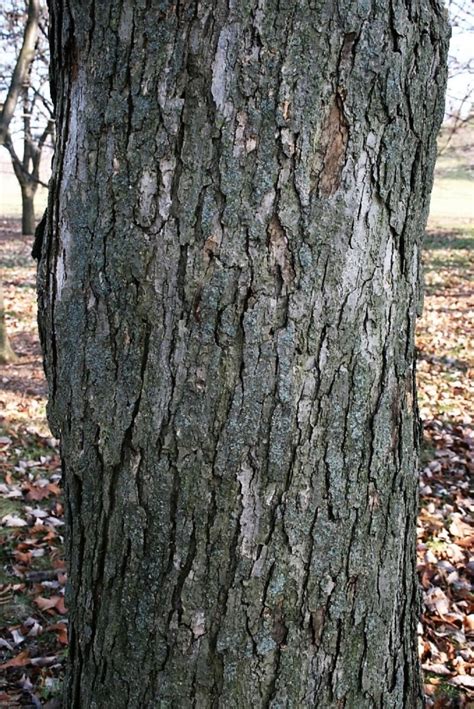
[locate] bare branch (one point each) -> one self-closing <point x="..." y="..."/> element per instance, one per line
<point x="22" y="174"/>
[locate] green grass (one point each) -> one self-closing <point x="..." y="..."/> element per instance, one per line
<point x="10" y="506"/>
<point x="448" y="692"/>
<point x="437" y="545"/>
<point x="427" y="452"/>
<point x="17" y="610"/>
<point x="452" y="202"/>
<point x="450" y="239"/>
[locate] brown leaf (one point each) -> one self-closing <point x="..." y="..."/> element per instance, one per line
<point x="469" y="621"/>
<point x="4" y="697"/>
<point x="23" y="557"/>
<point x="19" y="661"/>
<point x="38" y="493"/>
<point x="437" y="668"/>
<point x="60" y="607"/>
<point x="45" y="604"/>
<point x="61" y="630"/>
<point x="467" y="542"/>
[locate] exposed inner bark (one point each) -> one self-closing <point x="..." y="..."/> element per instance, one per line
<point x="228" y="289"/>
<point x="331" y="158"/>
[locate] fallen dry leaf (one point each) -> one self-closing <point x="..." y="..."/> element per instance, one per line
<point x="13" y="521"/>
<point x="61" y="631"/>
<point x="19" y="661"/>
<point x="46" y="604"/>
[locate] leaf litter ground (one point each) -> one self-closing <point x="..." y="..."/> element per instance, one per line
<point x="33" y="619"/>
<point x="445" y="344"/>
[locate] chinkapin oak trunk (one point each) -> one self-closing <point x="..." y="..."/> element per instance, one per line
<point x="228" y="289"/>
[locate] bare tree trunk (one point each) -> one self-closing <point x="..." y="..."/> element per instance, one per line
<point x="22" y="66"/>
<point x="28" y="222"/>
<point x="7" y="110"/>
<point x="7" y="355"/>
<point x="228" y="292"/>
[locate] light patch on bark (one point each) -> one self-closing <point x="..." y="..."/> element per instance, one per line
<point x="167" y="167"/>
<point x="270" y="494"/>
<point x="219" y="67"/>
<point x="213" y="242"/>
<point x="304" y="497"/>
<point x="388" y="267"/>
<point x="147" y="193"/>
<point x="61" y="266"/>
<point x="323" y="354"/>
<point x="250" y="515"/>
<point x="198" y="624"/>
<point x="288" y="142"/>
<point x="250" y="144"/>
<point x="259" y="564"/>
<point x="91" y="301"/>
<point x="279" y="249"/>
<point x="266" y="206"/>
<point x="126" y="22"/>
<point x="239" y="142"/>
<point x="74" y="167"/>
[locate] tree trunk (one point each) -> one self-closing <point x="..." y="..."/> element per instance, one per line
<point x="28" y="223"/>
<point x="7" y="355"/>
<point x="22" y="67"/>
<point x="228" y="293"/>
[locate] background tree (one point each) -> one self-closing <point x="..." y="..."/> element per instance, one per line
<point x="18" y="77"/>
<point x="460" y="92"/>
<point x="24" y="84"/>
<point x="22" y="58"/>
<point x="228" y="291"/>
<point x="27" y="167"/>
<point x="27" y="115"/>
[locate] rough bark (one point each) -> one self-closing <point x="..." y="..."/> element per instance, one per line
<point x="228" y="289"/>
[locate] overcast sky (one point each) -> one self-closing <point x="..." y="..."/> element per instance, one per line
<point x="461" y="85"/>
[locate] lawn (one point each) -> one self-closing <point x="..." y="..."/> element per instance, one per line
<point x="33" y="622"/>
